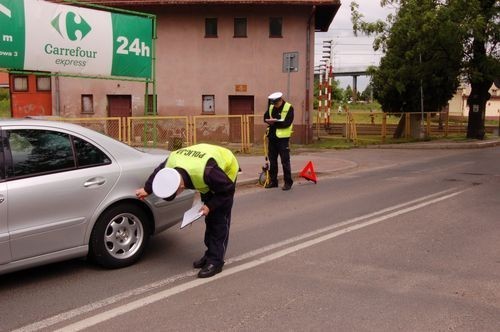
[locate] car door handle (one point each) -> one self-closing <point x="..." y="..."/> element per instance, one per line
<point x="2" y="198"/>
<point x="94" y="182"/>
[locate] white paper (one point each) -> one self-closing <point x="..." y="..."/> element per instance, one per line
<point x="192" y="214"/>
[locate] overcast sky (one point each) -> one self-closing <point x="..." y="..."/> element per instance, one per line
<point x="350" y="51"/>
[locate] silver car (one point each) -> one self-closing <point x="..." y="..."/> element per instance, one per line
<point x="67" y="191"/>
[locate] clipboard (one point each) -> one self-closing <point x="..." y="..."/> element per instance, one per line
<point x="192" y="214"/>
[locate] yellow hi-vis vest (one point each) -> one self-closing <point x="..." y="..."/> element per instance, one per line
<point x="282" y="132"/>
<point x="193" y="159"/>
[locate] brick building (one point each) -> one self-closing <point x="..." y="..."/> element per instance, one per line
<point x="220" y="57"/>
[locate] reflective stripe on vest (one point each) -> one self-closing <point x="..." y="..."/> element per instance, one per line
<point x="282" y="132"/>
<point x="193" y="160"/>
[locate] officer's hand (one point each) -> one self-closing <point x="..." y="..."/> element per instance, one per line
<point x="141" y="193"/>
<point x="204" y="210"/>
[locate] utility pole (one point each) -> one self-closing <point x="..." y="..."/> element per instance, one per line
<point x="327" y="82"/>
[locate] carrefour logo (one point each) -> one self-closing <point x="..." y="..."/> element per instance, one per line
<point x="71" y="26"/>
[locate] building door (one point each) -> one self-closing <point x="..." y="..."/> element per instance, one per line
<point x="119" y="106"/>
<point x="240" y="105"/>
<point x="31" y="95"/>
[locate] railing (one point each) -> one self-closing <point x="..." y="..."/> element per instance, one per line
<point x="112" y="126"/>
<point x="227" y="130"/>
<point x="245" y="133"/>
<point x="355" y="126"/>
<point x="170" y="132"/>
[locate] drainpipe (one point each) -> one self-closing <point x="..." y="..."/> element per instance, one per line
<point x="307" y="117"/>
<point x="57" y="96"/>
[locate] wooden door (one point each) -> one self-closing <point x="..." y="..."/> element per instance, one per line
<point x="240" y="105"/>
<point x="119" y="106"/>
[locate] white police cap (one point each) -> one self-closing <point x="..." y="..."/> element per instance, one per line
<point x="275" y="95"/>
<point x="166" y="182"/>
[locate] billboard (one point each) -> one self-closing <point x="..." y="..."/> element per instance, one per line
<point x="37" y="35"/>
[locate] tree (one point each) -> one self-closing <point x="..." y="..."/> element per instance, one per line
<point x="348" y="93"/>
<point x="336" y="90"/>
<point x="366" y="95"/>
<point x="481" y="44"/>
<point x="429" y="45"/>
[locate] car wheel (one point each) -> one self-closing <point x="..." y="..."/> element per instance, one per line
<point x="119" y="237"/>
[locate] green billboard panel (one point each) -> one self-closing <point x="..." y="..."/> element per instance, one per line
<point x="74" y="40"/>
<point x="132" y="45"/>
<point x="12" y="34"/>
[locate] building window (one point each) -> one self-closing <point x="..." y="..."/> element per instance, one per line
<point x="20" y="83"/>
<point x="151" y="105"/>
<point x="210" y="28"/>
<point x="275" y="27"/>
<point x="88" y="104"/>
<point x="240" y="27"/>
<point x="43" y="83"/>
<point x="208" y="104"/>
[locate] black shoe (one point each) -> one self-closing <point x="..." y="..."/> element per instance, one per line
<point x="209" y="270"/>
<point x="200" y="263"/>
<point x="287" y="186"/>
<point x="271" y="185"/>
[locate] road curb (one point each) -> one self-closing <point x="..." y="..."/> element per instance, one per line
<point x="441" y="145"/>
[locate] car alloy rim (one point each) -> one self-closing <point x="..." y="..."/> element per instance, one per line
<point x="124" y="235"/>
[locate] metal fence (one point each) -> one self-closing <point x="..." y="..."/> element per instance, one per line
<point x="355" y="126"/>
<point x="226" y="130"/>
<point x="169" y="132"/>
<point x="112" y="126"/>
<point x="245" y="133"/>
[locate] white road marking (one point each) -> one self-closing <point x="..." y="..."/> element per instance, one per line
<point x="109" y="314"/>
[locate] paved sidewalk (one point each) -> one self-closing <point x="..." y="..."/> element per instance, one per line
<point x="325" y="163"/>
<point x="251" y="166"/>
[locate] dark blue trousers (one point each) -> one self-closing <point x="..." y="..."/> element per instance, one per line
<point x="217" y="224"/>
<point x="279" y="147"/>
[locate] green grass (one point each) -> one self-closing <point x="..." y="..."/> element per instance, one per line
<point x="367" y="141"/>
<point x="361" y="115"/>
<point x="4" y="113"/>
<point x="4" y="103"/>
<point x="491" y="122"/>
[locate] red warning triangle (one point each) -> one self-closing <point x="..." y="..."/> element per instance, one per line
<point x="308" y="172"/>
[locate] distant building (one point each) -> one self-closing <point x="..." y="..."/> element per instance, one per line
<point x="458" y="104"/>
<point x="4" y="80"/>
<point x="213" y="57"/>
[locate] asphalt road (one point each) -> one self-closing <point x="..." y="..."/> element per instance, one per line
<point x="405" y="242"/>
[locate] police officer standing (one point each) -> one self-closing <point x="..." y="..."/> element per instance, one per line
<point x="279" y="118"/>
<point x="211" y="170"/>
